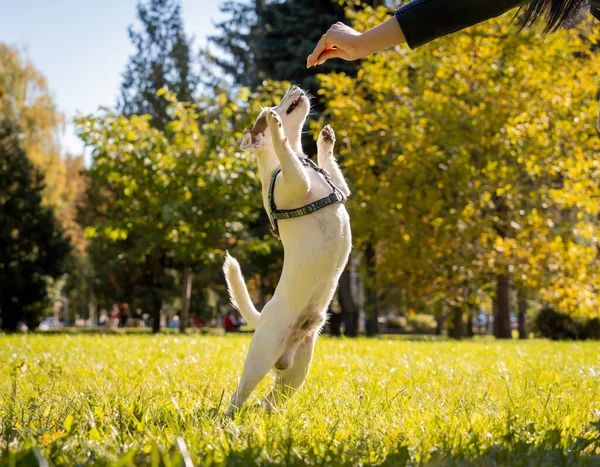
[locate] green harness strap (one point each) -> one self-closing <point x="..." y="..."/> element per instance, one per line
<point x="277" y="214"/>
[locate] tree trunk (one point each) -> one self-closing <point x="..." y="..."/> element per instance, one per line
<point x="9" y="319"/>
<point x="93" y="315"/>
<point x="67" y="312"/>
<point x="155" y="312"/>
<point x="349" y="309"/>
<point x="371" y="306"/>
<point x="456" y="329"/>
<point x="470" y="331"/>
<point x="185" y="299"/>
<point x="153" y="273"/>
<point x="522" y="299"/>
<point x="335" y="323"/>
<point x="439" y="323"/>
<point x="502" y="327"/>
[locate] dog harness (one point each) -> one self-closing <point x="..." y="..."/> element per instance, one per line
<point x="277" y="214"/>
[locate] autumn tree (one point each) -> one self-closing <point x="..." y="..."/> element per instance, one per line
<point x="472" y="165"/>
<point x="25" y="98"/>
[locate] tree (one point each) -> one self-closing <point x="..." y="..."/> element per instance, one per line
<point x="182" y="195"/>
<point x="271" y="40"/>
<point x="470" y="168"/>
<point x="26" y="99"/>
<point x="162" y="59"/>
<point x="32" y="247"/>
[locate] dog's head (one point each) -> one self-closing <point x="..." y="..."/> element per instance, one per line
<point x="293" y="110"/>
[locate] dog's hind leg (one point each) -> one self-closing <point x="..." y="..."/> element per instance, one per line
<point x="292" y="379"/>
<point x="325" y="158"/>
<point x="266" y="347"/>
<point x="271" y="400"/>
<point x="297" y="182"/>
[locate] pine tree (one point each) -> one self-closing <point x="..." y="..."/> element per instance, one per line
<point x="163" y="58"/>
<point x="32" y="247"/>
<point x="271" y="40"/>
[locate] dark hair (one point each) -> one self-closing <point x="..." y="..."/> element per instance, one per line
<point x="554" y="13"/>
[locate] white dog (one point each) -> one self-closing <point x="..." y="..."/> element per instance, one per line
<point x="316" y="242"/>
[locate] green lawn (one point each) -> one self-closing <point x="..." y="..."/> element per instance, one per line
<point x="141" y="399"/>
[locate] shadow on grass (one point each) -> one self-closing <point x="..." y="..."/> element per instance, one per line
<point x="518" y="456"/>
<point x="584" y="452"/>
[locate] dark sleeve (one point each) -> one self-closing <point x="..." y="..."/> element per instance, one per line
<point x="425" y="20"/>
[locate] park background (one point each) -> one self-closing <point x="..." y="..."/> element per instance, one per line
<point x="473" y="163"/>
<point x="474" y="167"/>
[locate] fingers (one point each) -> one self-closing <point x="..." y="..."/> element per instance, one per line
<point x="321" y="46"/>
<point x="329" y="53"/>
<point x="338" y="42"/>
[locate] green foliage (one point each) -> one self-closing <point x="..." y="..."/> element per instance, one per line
<point x="188" y="189"/>
<point x="147" y="400"/>
<point x="476" y="157"/>
<point x="32" y="246"/>
<point x="555" y="325"/>
<point x="418" y="323"/>
<point x="162" y="198"/>
<point x="422" y="323"/>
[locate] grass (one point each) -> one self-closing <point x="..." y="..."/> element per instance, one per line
<point x="159" y="400"/>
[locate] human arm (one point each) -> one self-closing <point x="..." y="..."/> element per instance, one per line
<point x="425" y="20"/>
<point x="341" y="41"/>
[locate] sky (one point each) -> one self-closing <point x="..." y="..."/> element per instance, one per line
<point x="82" y="47"/>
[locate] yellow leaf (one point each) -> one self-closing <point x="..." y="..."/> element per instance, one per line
<point x="68" y="423"/>
<point x="94" y="435"/>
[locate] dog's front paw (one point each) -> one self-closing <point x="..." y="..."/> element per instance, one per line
<point x="327" y="136"/>
<point x="275" y="126"/>
<point x="325" y="144"/>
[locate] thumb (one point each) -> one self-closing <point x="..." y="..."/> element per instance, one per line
<point x="330" y="53"/>
<point x="320" y="47"/>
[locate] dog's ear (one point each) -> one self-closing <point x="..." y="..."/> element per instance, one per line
<point x="250" y="141"/>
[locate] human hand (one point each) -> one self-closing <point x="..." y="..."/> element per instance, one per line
<point x="340" y="41"/>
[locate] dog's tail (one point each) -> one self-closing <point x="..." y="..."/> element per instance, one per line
<point x="240" y="298"/>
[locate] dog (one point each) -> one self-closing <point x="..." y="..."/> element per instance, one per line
<point x="316" y="249"/>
